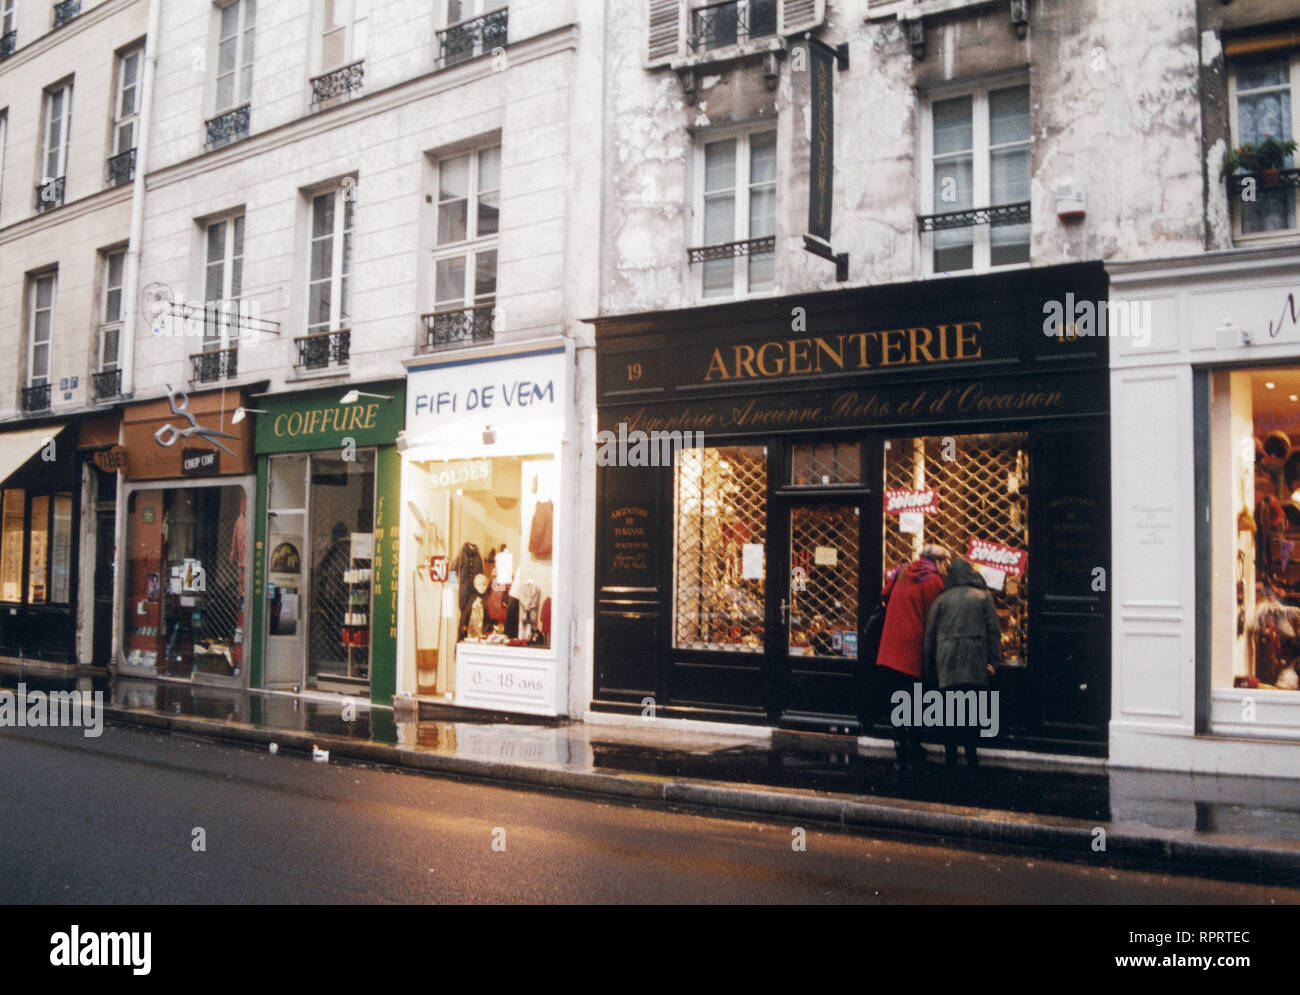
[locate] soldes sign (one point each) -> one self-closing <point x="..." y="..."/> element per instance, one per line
<point x="899" y="501"/>
<point x="993" y="554"/>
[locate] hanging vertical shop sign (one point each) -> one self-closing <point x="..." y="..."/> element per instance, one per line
<point x="821" y="173"/>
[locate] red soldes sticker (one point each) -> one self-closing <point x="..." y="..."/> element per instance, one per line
<point x="899" y="501"/>
<point x="994" y="554"/>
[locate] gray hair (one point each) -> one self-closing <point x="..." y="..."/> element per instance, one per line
<point x="934" y="551"/>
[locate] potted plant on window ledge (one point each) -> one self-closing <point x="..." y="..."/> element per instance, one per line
<point x="1264" y="160"/>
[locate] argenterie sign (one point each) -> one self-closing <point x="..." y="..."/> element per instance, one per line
<point x="1012" y="562"/>
<point x="899" y="501"/>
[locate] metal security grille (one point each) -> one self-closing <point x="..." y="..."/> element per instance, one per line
<point x="824" y="581"/>
<point x="982" y="487"/>
<point x="720" y="506"/>
<point x="822" y="463"/>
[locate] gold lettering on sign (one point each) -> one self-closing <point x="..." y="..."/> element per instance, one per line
<point x="949" y="343"/>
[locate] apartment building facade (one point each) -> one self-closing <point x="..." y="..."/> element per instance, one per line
<point x="907" y="374"/>
<point x="71" y="76"/>
<point x="353" y="208"/>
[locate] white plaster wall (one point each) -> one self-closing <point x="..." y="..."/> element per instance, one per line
<point x="1122" y="118"/>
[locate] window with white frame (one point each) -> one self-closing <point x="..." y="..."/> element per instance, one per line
<point x="343" y="33"/>
<point x="468" y="209"/>
<point x="4" y="134"/>
<point x="127" y="106"/>
<point x="333" y="226"/>
<point x="113" y="264"/>
<point x="472" y="27"/>
<point x="1262" y="105"/>
<point x="234" y="80"/>
<point x="735" y="215"/>
<point x="58" y="118"/>
<point x="977" y="185"/>
<point x="223" y="275"/>
<point x="41" y="330"/>
<point x="8" y="19"/>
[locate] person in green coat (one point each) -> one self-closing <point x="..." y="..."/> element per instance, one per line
<point x="963" y="645"/>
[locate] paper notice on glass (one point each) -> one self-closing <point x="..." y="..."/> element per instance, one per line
<point x="751" y="561"/>
<point x="826" y="556"/>
<point x="505" y="566"/>
<point x="363" y="545"/>
<point x="287" y="623"/>
<point x="911" y="522"/>
<point x="449" y="601"/>
<point x="995" y="578"/>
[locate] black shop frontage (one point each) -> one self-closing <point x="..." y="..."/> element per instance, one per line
<point x="761" y="464"/>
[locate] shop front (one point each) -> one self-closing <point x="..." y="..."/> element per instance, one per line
<point x="40" y="505"/>
<point x="187" y="546"/>
<point x="326" y="566"/>
<point x="485" y="478"/>
<point x="1207" y="515"/>
<point x="762" y="464"/>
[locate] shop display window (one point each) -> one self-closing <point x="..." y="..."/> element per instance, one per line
<point x="185" y="581"/>
<point x="11" y="545"/>
<point x="969" y="493"/>
<point x="1255" y="425"/>
<point x="720" y="511"/>
<point x="484" y="540"/>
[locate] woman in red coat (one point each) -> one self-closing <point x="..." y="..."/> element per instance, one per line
<point x="908" y="594"/>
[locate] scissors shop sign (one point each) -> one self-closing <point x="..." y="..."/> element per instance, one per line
<point x="187" y="435"/>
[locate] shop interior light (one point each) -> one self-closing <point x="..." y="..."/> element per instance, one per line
<point x="352" y="396"/>
<point x="489" y="436"/>
<point x="1270" y="384"/>
<point x="240" y="413"/>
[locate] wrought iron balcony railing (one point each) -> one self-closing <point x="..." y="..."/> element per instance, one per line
<point x="731" y="22"/>
<point x="467" y="39"/>
<point x="106" y="384"/>
<point x="216" y="364"/>
<point x="323" y="349"/>
<point x="121" y="168"/>
<point x="35" y="398"/>
<point x="730" y="250"/>
<point x="338" y="81"/>
<point x="461" y="327"/>
<point x="232" y="126"/>
<point x="1281" y="179"/>
<point x="66" y="11"/>
<point x="997" y="216"/>
<point x="8" y="42"/>
<point x="50" y="193"/>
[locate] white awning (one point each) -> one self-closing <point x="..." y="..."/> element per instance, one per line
<point x="16" y="448"/>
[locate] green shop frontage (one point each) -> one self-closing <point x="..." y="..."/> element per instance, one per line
<point x="325" y="554"/>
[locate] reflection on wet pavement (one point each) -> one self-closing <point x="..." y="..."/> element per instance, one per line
<point x="1266" y="808"/>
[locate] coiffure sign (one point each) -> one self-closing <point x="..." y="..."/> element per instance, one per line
<point x="477" y="395"/>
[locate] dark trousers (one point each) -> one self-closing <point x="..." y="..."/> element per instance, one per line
<point x="907" y="740"/>
<point x="967" y="735"/>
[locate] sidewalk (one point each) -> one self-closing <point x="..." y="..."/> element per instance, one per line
<point x="1181" y="821"/>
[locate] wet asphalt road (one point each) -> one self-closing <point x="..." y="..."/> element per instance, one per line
<point x="112" y="820"/>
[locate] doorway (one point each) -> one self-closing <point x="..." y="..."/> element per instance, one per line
<point x="319" y="571"/>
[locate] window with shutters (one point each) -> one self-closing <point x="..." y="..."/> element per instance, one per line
<point x="705" y="30"/>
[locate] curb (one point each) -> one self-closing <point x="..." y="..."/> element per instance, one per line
<point x="1064" y="836"/>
